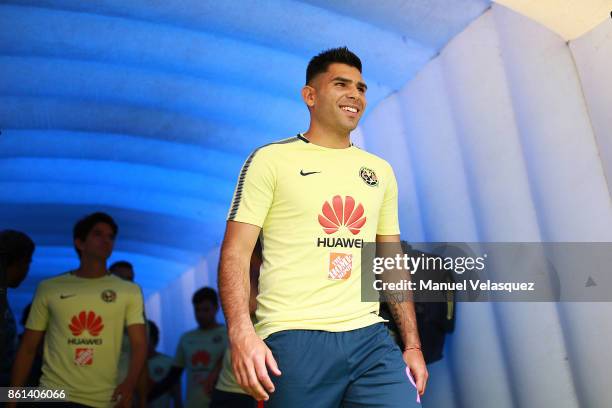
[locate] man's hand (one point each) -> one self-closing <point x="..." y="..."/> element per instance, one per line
<point x="123" y="395"/>
<point x="416" y="363"/>
<point x="251" y="359"/>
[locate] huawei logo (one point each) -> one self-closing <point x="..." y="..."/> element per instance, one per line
<point x="340" y="213"/>
<point x="86" y="321"/>
<point x="200" y="357"/>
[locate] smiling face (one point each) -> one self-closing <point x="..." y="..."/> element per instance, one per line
<point x="336" y="98"/>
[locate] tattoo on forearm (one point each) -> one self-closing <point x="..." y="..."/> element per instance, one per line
<point x="405" y="320"/>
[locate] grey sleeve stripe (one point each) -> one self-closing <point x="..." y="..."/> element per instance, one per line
<point x="238" y="192"/>
<point x="242" y="177"/>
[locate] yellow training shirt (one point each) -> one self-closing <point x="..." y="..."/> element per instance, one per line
<point x="316" y="207"/>
<point x="84" y="321"/>
<point x="198" y="351"/>
<point x="159" y="366"/>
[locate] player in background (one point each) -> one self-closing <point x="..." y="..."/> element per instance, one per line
<point x="16" y="250"/>
<point x="227" y="393"/>
<point x="199" y="352"/>
<point x="159" y="366"/>
<point x="125" y="271"/>
<point x="82" y="314"/>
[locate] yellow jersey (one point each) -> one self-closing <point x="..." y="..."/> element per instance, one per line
<point x="159" y="366"/>
<point x="198" y="351"/>
<point x="84" y="321"/>
<point x="317" y="207"/>
<point x="227" y="381"/>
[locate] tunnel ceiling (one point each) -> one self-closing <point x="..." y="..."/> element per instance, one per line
<point x="147" y="110"/>
<point x="568" y="18"/>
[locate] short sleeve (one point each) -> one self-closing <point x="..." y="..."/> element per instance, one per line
<point x="179" y="357"/>
<point x="254" y="189"/>
<point x="134" y="313"/>
<point x="388" y="223"/>
<point x="38" y="319"/>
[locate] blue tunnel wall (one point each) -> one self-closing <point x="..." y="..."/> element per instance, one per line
<point x="496" y="129"/>
<point x="147" y="111"/>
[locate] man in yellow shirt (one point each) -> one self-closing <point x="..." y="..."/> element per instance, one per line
<point x="125" y="271"/>
<point x="199" y="352"/>
<point x="81" y="315"/>
<point x="159" y="365"/>
<point x="316" y="199"/>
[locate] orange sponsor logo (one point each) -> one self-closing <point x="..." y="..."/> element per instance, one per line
<point x="340" y="266"/>
<point x="342" y="212"/>
<point x="200" y="357"/>
<point x="86" y="321"/>
<point x="83" y="356"/>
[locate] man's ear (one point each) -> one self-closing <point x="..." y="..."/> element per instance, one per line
<point x="309" y="95"/>
<point x="79" y="244"/>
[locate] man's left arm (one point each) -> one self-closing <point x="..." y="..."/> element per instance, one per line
<point x="404" y="316"/>
<point x="137" y="334"/>
<point x="138" y="352"/>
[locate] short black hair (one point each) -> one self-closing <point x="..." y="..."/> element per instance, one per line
<point x="321" y="62"/>
<point x="120" y="264"/>
<point x="15" y="246"/>
<point x="84" y="226"/>
<point x="204" y="294"/>
<point x="153" y="332"/>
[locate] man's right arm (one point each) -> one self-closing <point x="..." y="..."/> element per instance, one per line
<point x="25" y="356"/>
<point x="250" y="355"/>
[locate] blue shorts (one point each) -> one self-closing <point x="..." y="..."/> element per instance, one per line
<point x="357" y="368"/>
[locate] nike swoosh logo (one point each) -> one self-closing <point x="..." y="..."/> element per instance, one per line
<point x="307" y="173"/>
<point x="66" y="296"/>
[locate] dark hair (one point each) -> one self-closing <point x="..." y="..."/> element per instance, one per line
<point x="84" y="226"/>
<point x="15" y="246"/>
<point x="120" y="264"/>
<point x="153" y="332"/>
<point x="321" y="62"/>
<point x="204" y="294"/>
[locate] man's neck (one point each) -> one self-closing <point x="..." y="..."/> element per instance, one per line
<point x="326" y="137"/>
<point x="91" y="268"/>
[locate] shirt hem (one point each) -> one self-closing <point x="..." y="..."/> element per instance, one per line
<point x="237" y="390"/>
<point x="334" y="328"/>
